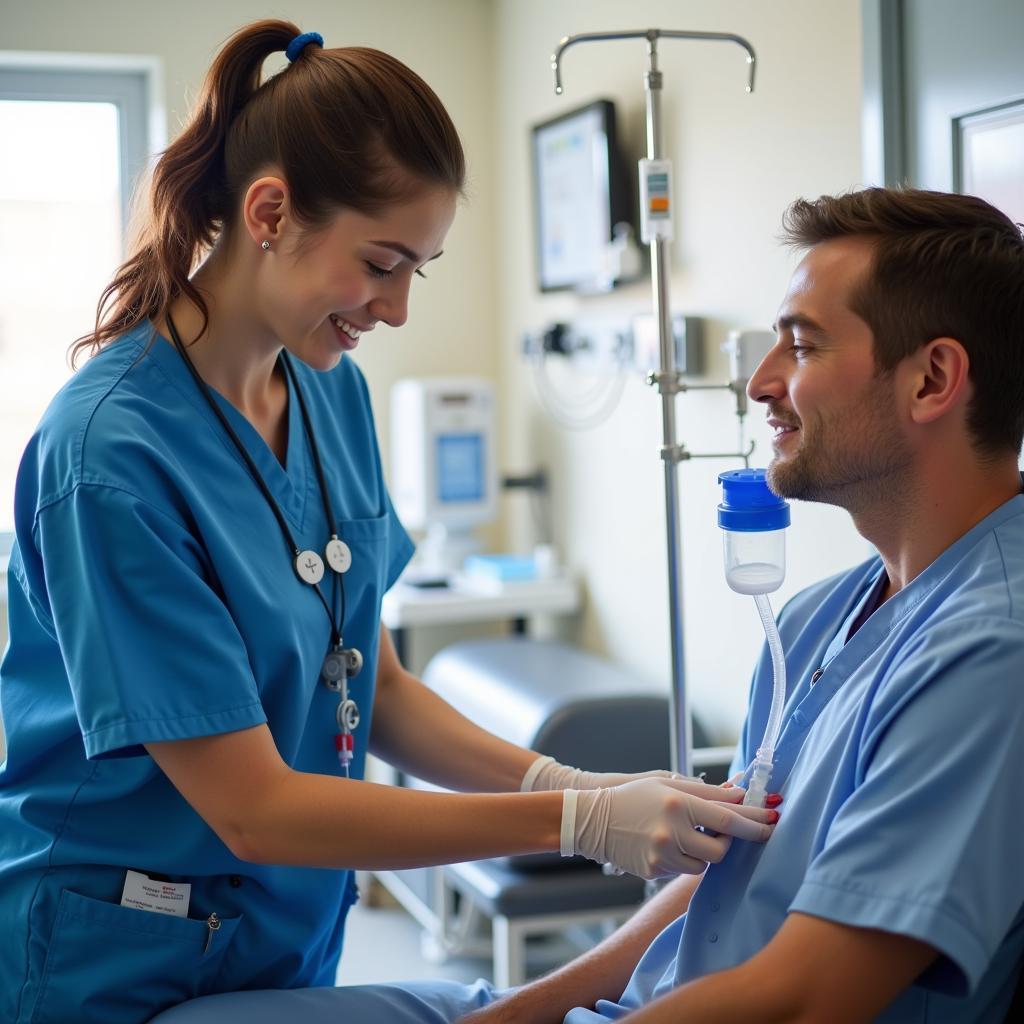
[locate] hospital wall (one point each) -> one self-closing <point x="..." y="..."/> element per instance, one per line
<point x="739" y="160"/>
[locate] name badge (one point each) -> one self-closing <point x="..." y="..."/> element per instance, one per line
<point x="145" y="893"/>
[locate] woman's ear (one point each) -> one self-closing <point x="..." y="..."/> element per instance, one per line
<point x="939" y="379"/>
<point x="265" y="209"/>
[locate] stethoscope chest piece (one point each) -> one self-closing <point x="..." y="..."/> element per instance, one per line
<point x="309" y="567"/>
<point x="339" y="555"/>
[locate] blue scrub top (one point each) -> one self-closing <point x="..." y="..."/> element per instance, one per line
<point x="152" y="597"/>
<point x="900" y="770"/>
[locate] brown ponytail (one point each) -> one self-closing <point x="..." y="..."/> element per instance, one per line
<point x="349" y="128"/>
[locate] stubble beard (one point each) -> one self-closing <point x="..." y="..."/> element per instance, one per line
<point x="855" y="462"/>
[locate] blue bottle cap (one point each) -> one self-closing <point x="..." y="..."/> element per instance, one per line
<point x="748" y="506"/>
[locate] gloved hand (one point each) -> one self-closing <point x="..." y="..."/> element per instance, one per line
<point x="648" y="827"/>
<point x="547" y="774"/>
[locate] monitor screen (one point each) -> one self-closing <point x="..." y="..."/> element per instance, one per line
<point x="579" y="195"/>
<point x="460" y="468"/>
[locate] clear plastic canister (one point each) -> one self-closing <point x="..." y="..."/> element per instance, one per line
<point x="753" y="522"/>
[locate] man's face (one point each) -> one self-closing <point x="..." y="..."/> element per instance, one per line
<point x="839" y="438"/>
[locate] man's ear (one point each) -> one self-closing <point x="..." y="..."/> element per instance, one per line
<point x="938" y="379"/>
<point x="265" y="208"/>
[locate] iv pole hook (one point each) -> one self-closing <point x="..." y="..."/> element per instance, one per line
<point x="651" y="35"/>
<point x="667" y="379"/>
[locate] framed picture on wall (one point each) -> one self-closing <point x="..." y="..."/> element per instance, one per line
<point x="988" y="156"/>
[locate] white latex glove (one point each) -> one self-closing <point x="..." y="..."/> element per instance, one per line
<point x="546" y="774"/>
<point x="648" y="827"/>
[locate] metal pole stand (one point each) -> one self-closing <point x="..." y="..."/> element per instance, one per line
<point x="667" y="379"/>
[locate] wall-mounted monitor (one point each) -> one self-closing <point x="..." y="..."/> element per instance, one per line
<point x="580" y="195"/>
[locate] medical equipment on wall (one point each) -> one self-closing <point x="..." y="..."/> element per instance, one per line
<point x="753" y="522"/>
<point x="745" y="350"/>
<point x="634" y="344"/>
<point x="581" y="401"/>
<point x="656" y="222"/>
<point x="443" y="476"/>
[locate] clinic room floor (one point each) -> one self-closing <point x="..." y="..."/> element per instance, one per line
<point x="373" y="929"/>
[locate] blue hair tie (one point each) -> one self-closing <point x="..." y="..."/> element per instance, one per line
<point x="299" y="43"/>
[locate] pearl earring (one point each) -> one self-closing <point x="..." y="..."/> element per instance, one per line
<point x="265" y="244"/>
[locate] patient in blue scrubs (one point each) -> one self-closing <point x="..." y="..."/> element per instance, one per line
<point x="892" y="889"/>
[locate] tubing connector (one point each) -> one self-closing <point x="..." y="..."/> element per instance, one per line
<point x="757" y="790"/>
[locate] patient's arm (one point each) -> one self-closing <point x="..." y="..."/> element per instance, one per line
<point x="813" y="970"/>
<point x="600" y="974"/>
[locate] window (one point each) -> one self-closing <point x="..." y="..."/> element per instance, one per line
<point x="75" y="143"/>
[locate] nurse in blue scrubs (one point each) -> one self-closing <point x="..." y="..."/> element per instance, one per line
<point x="203" y="540"/>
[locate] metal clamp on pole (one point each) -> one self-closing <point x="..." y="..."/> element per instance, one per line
<point x="670" y="383"/>
<point x="656" y="230"/>
<point x="674" y="453"/>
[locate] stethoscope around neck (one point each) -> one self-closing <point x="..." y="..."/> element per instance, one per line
<point x="341" y="663"/>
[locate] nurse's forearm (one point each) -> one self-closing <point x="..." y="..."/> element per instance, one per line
<point x="319" y="821"/>
<point x="266" y="812"/>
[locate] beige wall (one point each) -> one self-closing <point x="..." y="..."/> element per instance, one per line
<point x="739" y="160"/>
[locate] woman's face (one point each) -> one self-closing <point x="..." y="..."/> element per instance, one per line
<point x="352" y="275"/>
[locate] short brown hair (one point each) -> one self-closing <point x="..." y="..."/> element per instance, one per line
<point x="944" y="266"/>
<point x="350" y="128"/>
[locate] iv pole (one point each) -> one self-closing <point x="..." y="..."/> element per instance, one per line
<point x="668" y="379"/>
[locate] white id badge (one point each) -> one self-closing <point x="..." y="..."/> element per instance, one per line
<point x="145" y="893"/>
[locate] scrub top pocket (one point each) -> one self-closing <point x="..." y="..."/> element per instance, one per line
<point x="365" y="537"/>
<point x="120" y="965"/>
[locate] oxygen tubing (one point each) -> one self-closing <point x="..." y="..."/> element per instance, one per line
<point x="761" y="769"/>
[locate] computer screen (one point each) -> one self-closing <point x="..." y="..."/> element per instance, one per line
<point x="460" y="468"/>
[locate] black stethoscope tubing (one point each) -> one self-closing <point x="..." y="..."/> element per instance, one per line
<point x="336" y="624"/>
